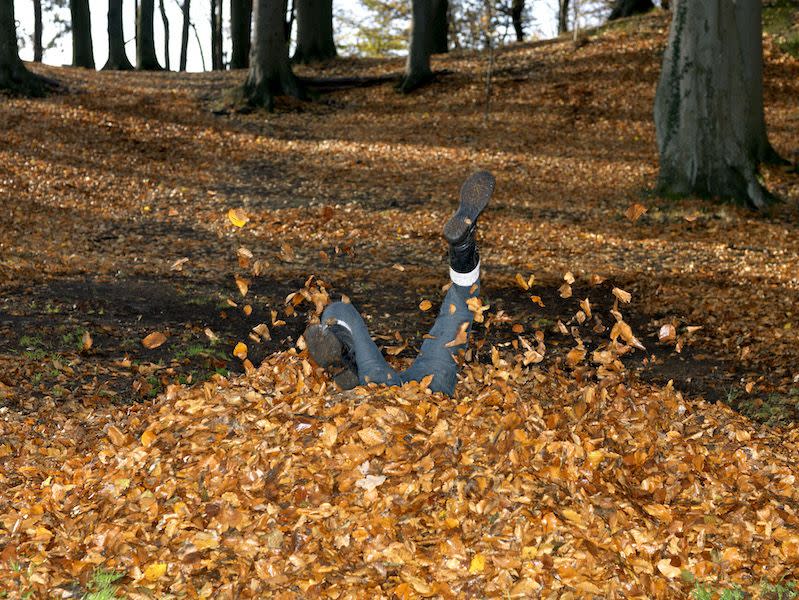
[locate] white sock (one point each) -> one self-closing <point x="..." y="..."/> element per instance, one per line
<point x="465" y="279"/>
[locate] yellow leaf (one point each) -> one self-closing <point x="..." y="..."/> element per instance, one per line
<point x="622" y="295"/>
<point x="154" y="571"/>
<point x="243" y="285"/>
<point x="520" y="281"/>
<point x="572" y="515"/>
<point x="425" y="305"/>
<point x="667" y="569"/>
<point x="116" y="436"/>
<point x="148" y="437"/>
<point x="152" y="341"/>
<point x="478" y="564"/>
<point x="87" y="340"/>
<point x="238" y="217"/>
<point x="240" y="351"/>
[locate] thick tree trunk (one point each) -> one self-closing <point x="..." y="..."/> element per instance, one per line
<point x="516" y="12"/>
<point x="217" y="61"/>
<point x="82" y="51"/>
<point x="628" y="8"/>
<point x="314" y="31"/>
<point x="417" y="67"/>
<point x="117" y="58"/>
<point x="711" y="129"/>
<point x="240" y="32"/>
<point x="440" y="26"/>
<point x="270" y="72"/>
<point x="38" y="50"/>
<point x="146" y="60"/>
<point x="165" y="21"/>
<point x="14" y="77"/>
<point x="184" y="33"/>
<point x="563" y="16"/>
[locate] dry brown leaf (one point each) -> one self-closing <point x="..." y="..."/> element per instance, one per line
<point x="153" y="340"/>
<point x="635" y="211"/>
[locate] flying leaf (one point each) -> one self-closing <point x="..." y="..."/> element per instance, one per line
<point x="178" y="264"/>
<point x="622" y="295"/>
<point x="425" y="305"/>
<point x="153" y="340"/>
<point x="243" y="285"/>
<point x="86" y="341"/>
<point x="240" y="351"/>
<point x="635" y="211"/>
<point x="461" y="338"/>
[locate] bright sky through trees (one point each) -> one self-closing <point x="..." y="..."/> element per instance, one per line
<point x="544" y="25"/>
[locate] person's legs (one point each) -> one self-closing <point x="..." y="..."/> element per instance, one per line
<point x="349" y="328"/>
<point x="454" y="321"/>
<point x="445" y="340"/>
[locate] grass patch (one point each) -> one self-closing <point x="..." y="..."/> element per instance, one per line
<point x="101" y="586"/>
<point x="780" y="21"/>
<point x="719" y="591"/>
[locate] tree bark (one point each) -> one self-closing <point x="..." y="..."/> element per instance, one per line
<point x="440" y="26"/>
<point x="709" y="116"/>
<point x="628" y="8"/>
<point x="146" y="60"/>
<point x="240" y="32"/>
<point x="563" y="16"/>
<point x="38" y="50"/>
<point x="417" y="67"/>
<point x="217" y="61"/>
<point x="314" y="31"/>
<point x="270" y="72"/>
<point x="516" y="12"/>
<point x="165" y="21"/>
<point x="117" y="57"/>
<point x="82" y="51"/>
<point x="14" y="77"/>
<point x="184" y="33"/>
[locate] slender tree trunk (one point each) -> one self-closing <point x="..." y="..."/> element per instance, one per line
<point x="217" y="61"/>
<point x="165" y="21"/>
<point x="14" y="77"/>
<point x="628" y="8"/>
<point x="417" y="67"/>
<point x="82" y="51"/>
<point x="563" y="16"/>
<point x="314" y="31"/>
<point x="516" y="12"/>
<point x="184" y="33"/>
<point x="38" y="50"/>
<point x="440" y="26"/>
<point x="146" y="60"/>
<point x="270" y="72"/>
<point x="240" y="32"/>
<point x="117" y="58"/>
<point x="709" y="117"/>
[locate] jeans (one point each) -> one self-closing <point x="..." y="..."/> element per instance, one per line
<point x="434" y="358"/>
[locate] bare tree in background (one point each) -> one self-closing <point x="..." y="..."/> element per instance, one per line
<point x="38" y="50"/>
<point x="711" y="129"/>
<point x="185" y="9"/>
<point x="314" y="31"/>
<point x="563" y="16"/>
<point x="146" y="60"/>
<point x="240" y="32"/>
<point x="217" y="55"/>
<point x="82" y="51"/>
<point x="417" y="66"/>
<point x="117" y="57"/>
<point x="165" y="21"/>
<point x="628" y="8"/>
<point x="14" y="77"/>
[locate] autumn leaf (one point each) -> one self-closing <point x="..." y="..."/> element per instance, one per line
<point x="667" y="569"/>
<point x="462" y="337"/>
<point x="153" y="340"/>
<point x="154" y="571"/>
<point x="622" y="295"/>
<point x="477" y="564"/>
<point x="425" y="305"/>
<point x="635" y="211"/>
<point x="86" y="341"/>
<point x="238" y="217"/>
<point x="243" y="285"/>
<point x="240" y="351"/>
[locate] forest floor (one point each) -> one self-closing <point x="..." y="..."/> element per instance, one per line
<point x="146" y="232"/>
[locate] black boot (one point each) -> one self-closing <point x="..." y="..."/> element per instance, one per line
<point x="460" y="229"/>
<point x="331" y="347"/>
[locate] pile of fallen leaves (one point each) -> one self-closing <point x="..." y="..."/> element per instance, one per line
<point x="274" y="484"/>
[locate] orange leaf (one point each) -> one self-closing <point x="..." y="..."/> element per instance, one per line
<point x="240" y="351"/>
<point x="152" y="341"/>
<point x="634" y="211"/>
<point x="425" y="305"/>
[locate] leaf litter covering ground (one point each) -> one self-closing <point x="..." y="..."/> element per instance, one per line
<point x="526" y="485"/>
<point x="528" y="479"/>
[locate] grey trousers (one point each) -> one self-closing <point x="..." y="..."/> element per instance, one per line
<point x="435" y="357"/>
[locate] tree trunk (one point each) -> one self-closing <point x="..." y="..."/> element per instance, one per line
<point x="184" y="34"/>
<point x="146" y="60"/>
<point x="240" y="32"/>
<point x="314" y="31"/>
<point x="14" y="77"/>
<point x="165" y="21"/>
<point x="417" y="67"/>
<point x="709" y="117"/>
<point x="563" y="16"/>
<point x="117" y="58"/>
<point x="628" y="8"/>
<point x="217" y="62"/>
<point x="516" y="11"/>
<point x="270" y="72"/>
<point x="38" y="50"/>
<point x="82" y="51"/>
<point x="440" y="26"/>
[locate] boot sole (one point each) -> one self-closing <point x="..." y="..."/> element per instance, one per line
<point x="476" y="191"/>
<point x="325" y="349"/>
